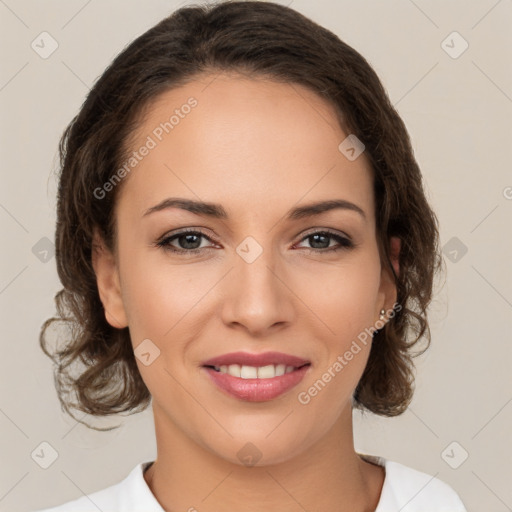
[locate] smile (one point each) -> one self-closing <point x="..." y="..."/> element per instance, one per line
<point x="256" y="384"/>
<point x="254" y="372"/>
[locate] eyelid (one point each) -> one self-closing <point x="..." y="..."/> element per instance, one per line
<point x="211" y="238"/>
<point x="344" y="241"/>
<point x="182" y="231"/>
<point x="312" y="231"/>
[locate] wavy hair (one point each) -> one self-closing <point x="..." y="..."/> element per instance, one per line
<point x="96" y="371"/>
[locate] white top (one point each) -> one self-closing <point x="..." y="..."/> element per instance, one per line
<point x="404" y="490"/>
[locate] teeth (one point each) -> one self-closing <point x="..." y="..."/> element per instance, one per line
<point x="252" y="372"/>
<point x="233" y="369"/>
<point x="280" y="369"/>
<point x="249" y="372"/>
<point x="266" y="372"/>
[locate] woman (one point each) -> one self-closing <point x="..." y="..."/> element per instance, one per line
<point x="244" y="242"/>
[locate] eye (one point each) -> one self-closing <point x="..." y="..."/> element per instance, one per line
<point x="189" y="240"/>
<point x="320" y="241"/>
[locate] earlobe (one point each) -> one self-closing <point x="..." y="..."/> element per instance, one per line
<point x="107" y="279"/>
<point x="388" y="291"/>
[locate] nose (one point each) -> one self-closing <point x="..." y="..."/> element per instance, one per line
<point x="257" y="296"/>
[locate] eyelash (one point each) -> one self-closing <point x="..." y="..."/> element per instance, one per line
<point x="164" y="243"/>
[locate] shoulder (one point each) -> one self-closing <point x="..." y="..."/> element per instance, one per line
<point x="409" y="490"/>
<point x="130" y="495"/>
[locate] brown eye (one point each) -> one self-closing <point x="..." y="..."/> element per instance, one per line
<point x="188" y="241"/>
<point x="320" y="241"/>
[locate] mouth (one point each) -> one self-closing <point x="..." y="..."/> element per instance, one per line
<point x="269" y="371"/>
<point x="256" y="377"/>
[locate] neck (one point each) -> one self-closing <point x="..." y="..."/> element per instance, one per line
<point x="329" y="475"/>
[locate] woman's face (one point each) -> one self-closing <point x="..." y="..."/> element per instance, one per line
<point x="256" y="280"/>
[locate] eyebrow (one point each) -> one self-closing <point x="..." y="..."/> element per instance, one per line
<point x="217" y="211"/>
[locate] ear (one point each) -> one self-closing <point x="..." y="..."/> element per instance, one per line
<point x="107" y="279"/>
<point x="387" y="290"/>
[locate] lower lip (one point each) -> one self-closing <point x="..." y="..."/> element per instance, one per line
<point x="257" y="390"/>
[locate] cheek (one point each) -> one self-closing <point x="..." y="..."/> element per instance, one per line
<point x="345" y="297"/>
<point x="346" y="306"/>
<point x="344" y="301"/>
<point x="158" y="294"/>
<point x="161" y="302"/>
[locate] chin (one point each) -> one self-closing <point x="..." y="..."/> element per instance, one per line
<point x="261" y="449"/>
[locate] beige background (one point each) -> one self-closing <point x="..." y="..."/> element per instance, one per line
<point x="458" y="111"/>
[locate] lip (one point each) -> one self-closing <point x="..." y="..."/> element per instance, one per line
<point x="257" y="390"/>
<point x="257" y="360"/>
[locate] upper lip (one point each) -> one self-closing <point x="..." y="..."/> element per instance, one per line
<point x="263" y="359"/>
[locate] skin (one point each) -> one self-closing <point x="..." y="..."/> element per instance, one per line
<point x="258" y="148"/>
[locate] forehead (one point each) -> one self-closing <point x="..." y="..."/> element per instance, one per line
<point x="248" y="143"/>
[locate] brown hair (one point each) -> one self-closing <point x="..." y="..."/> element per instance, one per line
<point x="261" y="39"/>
